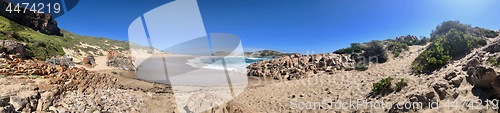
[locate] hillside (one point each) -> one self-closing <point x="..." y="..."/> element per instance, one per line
<point x="267" y="53"/>
<point x="42" y="46"/>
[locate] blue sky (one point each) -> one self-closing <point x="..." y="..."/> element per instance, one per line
<point x="301" y="26"/>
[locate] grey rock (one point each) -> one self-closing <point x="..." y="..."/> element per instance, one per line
<point x="63" y="60"/>
<point x="482" y="77"/>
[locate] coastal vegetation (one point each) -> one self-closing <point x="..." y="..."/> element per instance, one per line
<point x="354" y="48"/>
<point x="397" y="48"/>
<point x="451" y="40"/>
<point x="383" y="86"/>
<point x="41" y="46"/>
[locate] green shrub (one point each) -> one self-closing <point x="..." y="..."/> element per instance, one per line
<point x="355" y="48"/>
<point x="474" y="31"/>
<point x="447" y="26"/>
<point x="41" y="46"/>
<point x="361" y="67"/>
<point x="453" y="45"/>
<point x="494" y="61"/>
<point x="383" y="86"/>
<point x="397" y="48"/>
<point x="423" y="41"/>
<point x="401" y="84"/>
<point x="375" y="49"/>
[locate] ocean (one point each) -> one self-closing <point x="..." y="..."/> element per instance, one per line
<point x="233" y="63"/>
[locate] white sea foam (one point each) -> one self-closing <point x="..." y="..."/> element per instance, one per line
<point x="233" y="63"/>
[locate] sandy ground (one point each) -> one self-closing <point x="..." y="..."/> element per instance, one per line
<point x="329" y="90"/>
<point x="343" y="86"/>
<point x="264" y="95"/>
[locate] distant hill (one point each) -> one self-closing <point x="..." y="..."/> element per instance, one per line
<point x="267" y="53"/>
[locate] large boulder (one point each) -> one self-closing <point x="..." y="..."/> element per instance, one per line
<point x="481" y="77"/>
<point x="496" y="85"/>
<point x="26" y="101"/>
<point x="11" y="47"/>
<point x="89" y="60"/>
<point x="63" y="61"/>
<point x="43" y="23"/>
<point x="493" y="48"/>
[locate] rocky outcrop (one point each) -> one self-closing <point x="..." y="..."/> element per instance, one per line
<point x="482" y="77"/>
<point x="62" y="89"/>
<point x="407" y="38"/>
<point x="13" y="48"/>
<point x="63" y="60"/>
<point x="43" y="23"/>
<point x="493" y="48"/>
<point x="120" y="61"/>
<point x="89" y="60"/>
<point x="301" y="66"/>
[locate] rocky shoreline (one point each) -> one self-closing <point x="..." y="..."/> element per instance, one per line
<point x="301" y="66"/>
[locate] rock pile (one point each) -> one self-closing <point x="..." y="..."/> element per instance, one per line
<point x="63" y="60"/>
<point x="407" y="38"/>
<point x="480" y="69"/>
<point x="60" y="84"/>
<point x="120" y="61"/>
<point x="106" y="101"/>
<point x="12" y="49"/>
<point x="301" y="66"/>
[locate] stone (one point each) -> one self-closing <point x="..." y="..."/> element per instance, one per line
<point x="120" y="61"/>
<point x="89" y="60"/>
<point x="424" y="97"/>
<point x="25" y="101"/>
<point x="440" y="88"/>
<point x="202" y="101"/>
<point x="457" y="81"/>
<point x="61" y="61"/>
<point x="473" y="62"/>
<point x="407" y="38"/>
<point x="450" y="76"/>
<point x="45" y="101"/>
<point x="14" y="48"/>
<point x="496" y="85"/>
<point x="301" y="66"/>
<point x="493" y="48"/>
<point x="482" y="77"/>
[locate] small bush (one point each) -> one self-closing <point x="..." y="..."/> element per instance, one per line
<point x="494" y="61"/>
<point x="401" y="84"/>
<point x="383" y="86"/>
<point x="397" y="48"/>
<point x="423" y="41"/>
<point x="361" y="67"/>
<point x="375" y="49"/>
<point x="355" y="48"/>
